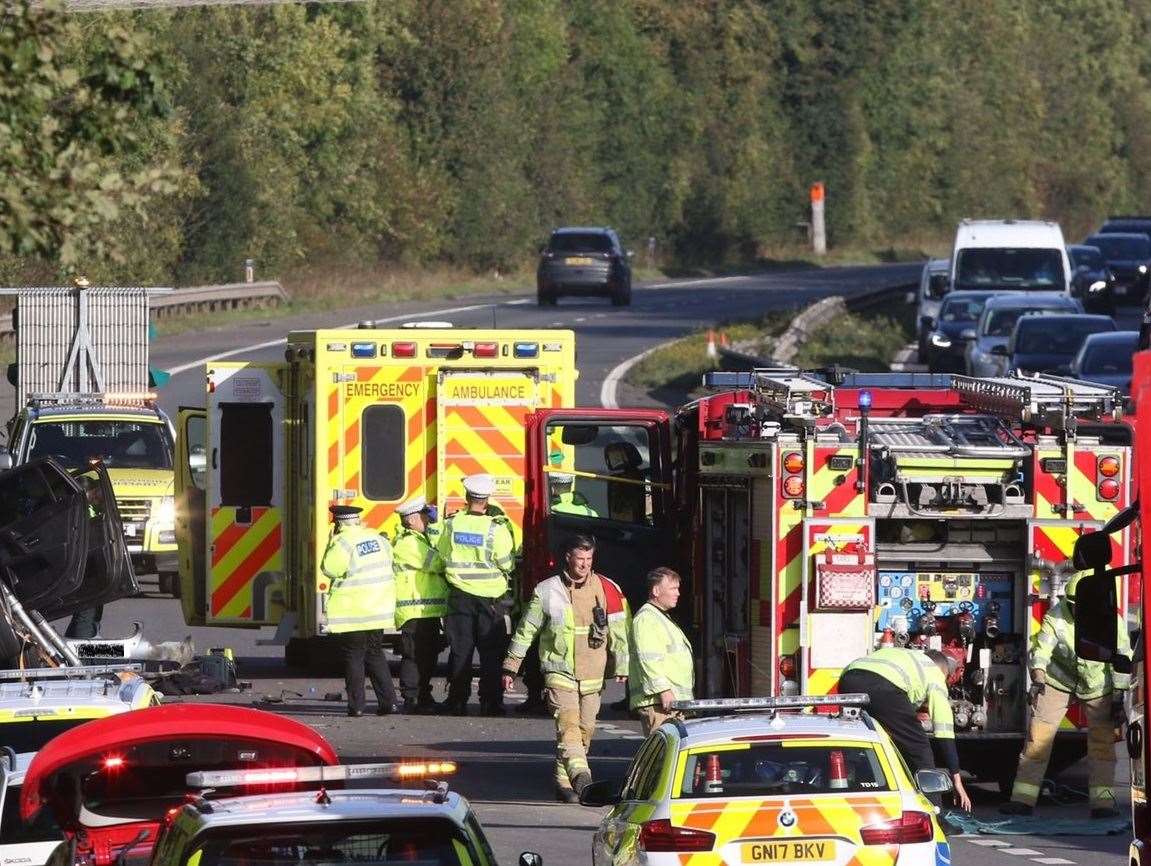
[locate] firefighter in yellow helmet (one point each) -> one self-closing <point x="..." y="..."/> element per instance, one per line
<point x="1057" y="674"/>
<point x="360" y="604"/>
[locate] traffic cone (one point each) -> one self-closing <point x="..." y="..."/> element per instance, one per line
<point x="712" y="352"/>
<point x="723" y="340"/>
<point x="714" y="781"/>
<point x="837" y="775"/>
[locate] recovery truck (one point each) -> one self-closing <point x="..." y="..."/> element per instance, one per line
<point x="817" y="517"/>
<point x="81" y="378"/>
<point x="361" y="417"/>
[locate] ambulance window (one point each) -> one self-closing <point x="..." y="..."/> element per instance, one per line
<point x="196" y="437"/>
<point x="383" y="456"/>
<point x="246" y="453"/>
<point x="602" y="472"/>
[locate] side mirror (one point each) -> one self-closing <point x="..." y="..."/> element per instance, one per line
<point x="967" y="334"/>
<point x="1096" y="620"/>
<point x="927" y="322"/>
<point x="531" y="858"/>
<point x="5" y="460"/>
<point x="933" y="782"/>
<point x="606" y="792"/>
<point x="999" y="350"/>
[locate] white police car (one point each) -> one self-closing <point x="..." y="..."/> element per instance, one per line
<point x="768" y="787"/>
<point x="321" y="827"/>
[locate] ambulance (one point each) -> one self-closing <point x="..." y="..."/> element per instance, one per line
<point x="360" y="417"/>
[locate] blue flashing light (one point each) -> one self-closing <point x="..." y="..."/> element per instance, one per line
<point x="865" y="400"/>
<point x="527" y="350"/>
<point x="363" y="350"/>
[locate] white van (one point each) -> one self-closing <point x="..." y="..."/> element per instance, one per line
<point x="1010" y="255"/>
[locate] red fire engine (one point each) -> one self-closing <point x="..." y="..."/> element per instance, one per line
<point x="817" y="517"/>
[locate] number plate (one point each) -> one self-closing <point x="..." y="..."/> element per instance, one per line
<point x="789" y="851"/>
<point x="577" y="260"/>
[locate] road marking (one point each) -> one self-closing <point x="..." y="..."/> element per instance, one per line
<point x="608" y="390"/>
<point x="623" y="733"/>
<point x="409" y="317"/>
<point x="1021" y="852"/>
<point x="1052" y="861"/>
<point x="581" y="318"/>
<point x="990" y="843"/>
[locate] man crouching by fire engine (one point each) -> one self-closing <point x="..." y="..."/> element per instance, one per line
<point x="581" y="618"/>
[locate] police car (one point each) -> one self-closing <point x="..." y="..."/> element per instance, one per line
<point x="322" y="827"/>
<point x="776" y="786"/>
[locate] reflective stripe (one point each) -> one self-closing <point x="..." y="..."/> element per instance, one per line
<point x="353" y="620"/>
<point x="411" y="602"/>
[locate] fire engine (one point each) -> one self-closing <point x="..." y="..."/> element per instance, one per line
<point x="818" y="517"/>
<point x="359" y="417"/>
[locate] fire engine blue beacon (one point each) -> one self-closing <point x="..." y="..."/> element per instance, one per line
<point x="864" y="400"/>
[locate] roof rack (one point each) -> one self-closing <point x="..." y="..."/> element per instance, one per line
<point x="1041" y="400"/>
<point x="849" y="706"/>
<point x="69" y="671"/>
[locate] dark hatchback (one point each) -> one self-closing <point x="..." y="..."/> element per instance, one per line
<point x="1128" y="257"/>
<point x="1091" y="280"/>
<point x="584" y="261"/>
<point x="1107" y="358"/>
<point x="946" y="344"/>
<point x="1048" y="344"/>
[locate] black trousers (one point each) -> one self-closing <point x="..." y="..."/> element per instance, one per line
<point x="420" y="647"/>
<point x="475" y="623"/>
<point x="533" y="676"/>
<point x="364" y="654"/>
<point x="890" y="707"/>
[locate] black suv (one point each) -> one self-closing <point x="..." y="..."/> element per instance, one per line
<point x="1128" y="257"/>
<point x="584" y="261"/>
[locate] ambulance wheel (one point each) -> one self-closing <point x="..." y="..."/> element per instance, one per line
<point x="169" y="583"/>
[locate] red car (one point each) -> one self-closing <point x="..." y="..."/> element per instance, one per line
<point x="110" y="782"/>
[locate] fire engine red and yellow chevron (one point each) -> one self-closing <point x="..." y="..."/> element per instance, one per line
<point x="240" y="553"/>
<point x="1076" y="488"/>
<point x="826" y="816"/>
<point x="835" y="489"/>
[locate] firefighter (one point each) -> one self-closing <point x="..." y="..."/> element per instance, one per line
<point x="360" y="605"/>
<point x="899" y="681"/>
<point x="1057" y="675"/>
<point x="421" y="599"/>
<point x="662" y="664"/>
<point x="564" y="498"/>
<point x="479" y="556"/>
<point x="581" y="619"/>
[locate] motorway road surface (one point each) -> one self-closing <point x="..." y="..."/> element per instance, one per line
<point x="507" y="762"/>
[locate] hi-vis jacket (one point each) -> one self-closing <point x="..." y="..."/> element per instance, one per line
<point x="661" y="659"/>
<point x="550" y="615"/>
<point x="362" y="596"/>
<point x="913" y="673"/>
<point x="478" y="553"/>
<point x="573" y="503"/>
<point x="421" y="591"/>
<point x="1053" y="652"/>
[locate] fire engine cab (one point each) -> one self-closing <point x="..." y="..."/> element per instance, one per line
<point x="818" y="517"/>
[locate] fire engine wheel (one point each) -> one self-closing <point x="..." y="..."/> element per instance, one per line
<point x="169" y="583"/>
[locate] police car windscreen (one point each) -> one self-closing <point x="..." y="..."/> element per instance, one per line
<point x="116" y="444"/>
<point x="15" y="831"/>
<point x="429" y="842"/>
<point x="768" y="769"/>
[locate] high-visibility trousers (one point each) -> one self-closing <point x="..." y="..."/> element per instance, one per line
<point x="575" y="716"/>
<point x="1041" y="737"/>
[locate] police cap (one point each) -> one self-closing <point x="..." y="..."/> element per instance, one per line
<point x="344" y="512"/>
<point x="562" y="478"/>
<point x="479" y="486"/>
<point x="413" y="506"/>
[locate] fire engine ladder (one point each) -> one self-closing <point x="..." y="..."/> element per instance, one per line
<point x="1041" y="401"/>
<point x="792" y="393"/>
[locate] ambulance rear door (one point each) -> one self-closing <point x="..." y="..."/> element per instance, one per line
<point x="191" y="479"/>
<point x="480" y="429"/>
<point x="245" y="494"/>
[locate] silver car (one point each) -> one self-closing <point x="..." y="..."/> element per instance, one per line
<point x="933" y="285"/>
<point x="987" y="346"/>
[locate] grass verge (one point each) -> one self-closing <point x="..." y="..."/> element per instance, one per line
<point x="866" y="341"/>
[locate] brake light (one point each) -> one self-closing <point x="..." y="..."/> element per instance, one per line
<point x="113" y="762"/>
<point x="908" y="828"/>
<point x="793" y="462"/>
<point x="660" y="836"/>
<point x="1108" y="488"/>
<point x="793" y="486"/>
<point x="787" y="667"/>
<point x="403" y="350"/>
<point x="1109" y="467"/>
<point x="485" y="350"/>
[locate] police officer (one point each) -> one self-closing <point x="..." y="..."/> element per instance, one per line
<point x="564" y="498"/>
<point x="1057" y="674"/>
<point x="899" y="681"/>
<point x="421" y="599"/>
<point x="360" y="604"/>
<point x="479" y="555"/>
<point x="662" y="663"/>
<point x="581" y="619"/>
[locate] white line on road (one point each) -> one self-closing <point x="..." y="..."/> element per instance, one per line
<point x="1053" y="861"/>
<point x="413" y="316"/>
<point x="990" y="843"/>
<point x="607" y="391"/>
<point x="1021" y="852"/>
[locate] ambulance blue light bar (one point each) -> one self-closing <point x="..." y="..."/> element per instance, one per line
<point x="397" y="771"/>
<point x="526" y="350"/>
<point x="783" y="702"/>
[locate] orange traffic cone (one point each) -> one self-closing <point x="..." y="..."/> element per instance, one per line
<point x="712" y="352"/>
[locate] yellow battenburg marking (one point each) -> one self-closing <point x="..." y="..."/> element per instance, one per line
<point x="222" y="571"/>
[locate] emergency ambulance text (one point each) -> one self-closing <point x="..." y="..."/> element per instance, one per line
<point x="384" y="390"/>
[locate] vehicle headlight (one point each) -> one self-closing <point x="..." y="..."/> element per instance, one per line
<point x="1142" y="269"/>
<point x="165" y="510"/>
<point x="940" y="341"/>
<point x="1097" y="286"/>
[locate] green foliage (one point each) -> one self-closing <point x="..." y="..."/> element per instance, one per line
<point x="171" y="145"/>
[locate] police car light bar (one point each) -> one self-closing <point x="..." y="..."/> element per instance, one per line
<point x="783" y="702"/>
<point x="395" y="771"/>
<point x="70" y="671"/>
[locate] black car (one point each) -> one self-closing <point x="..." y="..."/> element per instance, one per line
<point x="1139" y="224"/>
<point x="946" y="344"/>
<point x="1128" y="257"/>
<point x="584" y="261"/>
<point x="1048" y="344"/>
<point x="1091" y="280"/>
